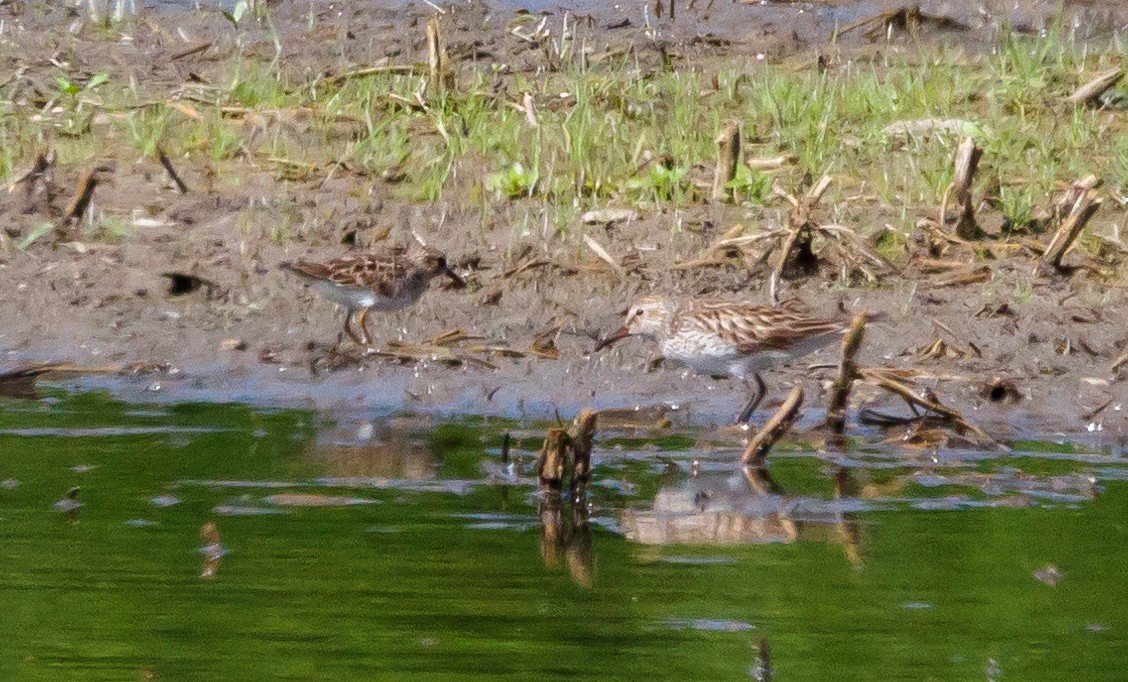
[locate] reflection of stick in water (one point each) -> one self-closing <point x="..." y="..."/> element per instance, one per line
<point x="212" y="549"/>
<point x="846" y="487"/>
<point x="572" y="541"/>
<point x="762" y="670"/>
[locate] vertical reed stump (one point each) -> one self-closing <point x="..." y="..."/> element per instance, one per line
<point x="552" y="458"/>
<point x="728" y="156"/>
<point x="967" y="161"/>
<point x="584" y="433"/>
<point x="439" y="77"/>
<point x="847" y="372"/>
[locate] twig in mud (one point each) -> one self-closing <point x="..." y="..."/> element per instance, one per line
<point x="529" y="108"/>
<point x="83" y="194"/>
<point x="180" y="186"/>
<point x="1090" y="92"/>
<point x="1063" y="206"/>
<point x="196" y="49"/>
<point x="847" y="372"/>
<point x="728" y="156"/>
<point x="771" y="163"/>
<point x="974" y="275"/>
<point x="31" y="176"/>
<point x="1119" y="362"/>
<point x="544" y="343"/>
<point x="340" y="79"/>
<point x="601" y="252"/>
<point x="450" y="337"/>
<point x="414" y="353"/>
<point x="527" y="265"/>
<point x="773" y="430"/>
<point x="1083" y="209"/>
<point x="798" y="241"/>
<point x="777" y="271"/>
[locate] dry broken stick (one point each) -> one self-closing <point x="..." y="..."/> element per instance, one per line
<point x="773" y="430"/>
<point x="971" y="275"/>
<point x="1083" y="209"/>
<point x="1091" y="92"/>
<point x="847" y="372"/>
<point x="797" y="246"/>
<point x="83" y="194"/>
<point x="887" y="382"/>
<point x="31" y="177"/>
<point x="167" y="163"/>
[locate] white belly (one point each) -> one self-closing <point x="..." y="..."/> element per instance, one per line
<point x="355" y="298"/>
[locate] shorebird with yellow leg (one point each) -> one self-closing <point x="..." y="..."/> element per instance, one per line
<point x="384" y="281"/>
<point x="722" y="337"/>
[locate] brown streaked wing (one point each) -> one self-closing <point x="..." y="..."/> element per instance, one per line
<point x="308" y="270"/>
<point x="752" y="328"/>
<point x="779" y="329"/>
<point x="371" y="271"/>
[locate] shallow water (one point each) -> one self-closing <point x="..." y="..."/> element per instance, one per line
<point x="225" y="542"/>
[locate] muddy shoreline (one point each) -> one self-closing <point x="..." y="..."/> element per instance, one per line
<point x="256" y="334"/>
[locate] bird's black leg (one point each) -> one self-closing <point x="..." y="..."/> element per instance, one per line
<point x="349" y="329"/>
<point x="753" y="400"/>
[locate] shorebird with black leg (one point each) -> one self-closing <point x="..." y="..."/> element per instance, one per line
<point x="722" y="337"/>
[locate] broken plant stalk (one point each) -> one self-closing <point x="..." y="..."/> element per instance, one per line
<point x="728" y="157"/>
<point x="847" y="372"/>
<point x="896" y="387"/>
<point x="775" y="428"/>
<point x="1083" y="209"/>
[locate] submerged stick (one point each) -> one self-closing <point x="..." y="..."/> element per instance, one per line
<point x="1083" y="209"/>
<point x="847" y="372"/>
<point x="728" y="156"/>
<point x="773" y="430"/>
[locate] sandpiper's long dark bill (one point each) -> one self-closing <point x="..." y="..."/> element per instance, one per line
<point x="724" y="337"/>
<point x="613" y="338"/>
<point x="388" y="280"/>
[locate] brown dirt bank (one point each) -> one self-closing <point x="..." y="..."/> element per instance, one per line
<point x="257" y="334"/>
